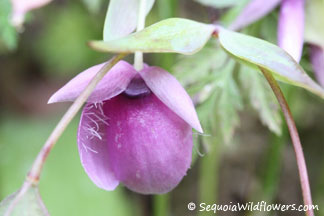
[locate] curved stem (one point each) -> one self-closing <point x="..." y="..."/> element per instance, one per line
<point x="138" y="59"/>
<point x="34" y="174"/>
<point x="302" y="169"/>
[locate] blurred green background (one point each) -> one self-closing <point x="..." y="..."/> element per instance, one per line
<point x="238" y="159"/>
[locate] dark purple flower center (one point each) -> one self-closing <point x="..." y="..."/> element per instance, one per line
<point x="137" y="88"/>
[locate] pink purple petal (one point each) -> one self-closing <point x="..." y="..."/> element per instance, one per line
<point x="149" y="146"/>
<point x="317" y="60"/>
<point x="93" y="146"/>
<point x="113" y="83"/>
<point x="253" y="11"/>
<point x="172" y="94"/>
<point x="291" y="27"/>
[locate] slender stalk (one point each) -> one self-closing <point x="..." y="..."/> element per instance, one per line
<point x="209" y="175"/>
<point x="302" y="169"/>
<point x="138" y="59"/>
<point x="161" y="205"/>
<point x="34" y="174"/>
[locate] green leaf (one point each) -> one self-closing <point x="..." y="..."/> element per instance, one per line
<point x="121" y="18"/>
<point x="261" y="98"/>
<point x="171" y="35"/>
<point x="30" y="204"/>
<point x="257" y="52"/>
<point x="229" y="101"/>
<point x="8" y="34"/>
<point x="219" y="3"/>
<point x="314" y="21"/>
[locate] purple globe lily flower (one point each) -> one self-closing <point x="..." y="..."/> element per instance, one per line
<point x="136" y="128"/>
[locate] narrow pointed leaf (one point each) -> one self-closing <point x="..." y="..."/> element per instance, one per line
<point x="121" y="18"/>
<point x="173" y="35"/>
<point x="268" y="56"/>
<point x="30" y="204"/>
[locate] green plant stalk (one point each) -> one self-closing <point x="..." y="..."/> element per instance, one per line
<point x="302" y="169"/>
<point x="34" y="174"/>
<point x="161" y="205"/>
<point x="138" y="58"/>
<point x="208" y="176"/>
<point x="166" y="9"/>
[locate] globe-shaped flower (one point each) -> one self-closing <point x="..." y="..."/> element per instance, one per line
<point x="135" y="129"/>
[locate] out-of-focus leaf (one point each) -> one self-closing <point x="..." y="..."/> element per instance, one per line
<point x="8" y="35"/>
<point x="208" y="77"/>
<point x="314" y="22"/>
<point x="171" y="35"/>
<point x="30" y="204"/>
<point x="63" y="174"/>
<point x="261" y="98"/>
<point x="229" y="101"/>
<point x="190" y="70"/>
<point x="121" y="18"/>
<point x="72" y="54"/>
<point x="93" y="5"/>
<point x="257" y="52"/>
<point x="218" y="3"/>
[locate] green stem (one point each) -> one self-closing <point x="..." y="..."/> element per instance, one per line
<point x="208" y="176"/>
<point x="166" y="9"/>
<point x="34" y="174"/>
<point x="161" y="205"/>
<point x="303" y="176"/>
<point x="138" y="58"/>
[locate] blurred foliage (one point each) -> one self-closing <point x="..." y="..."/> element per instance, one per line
<point x="65" y="187"/>
<point x="61" y="45"/>
<point x="210" y="77"/>
<point x="8" y="34"/>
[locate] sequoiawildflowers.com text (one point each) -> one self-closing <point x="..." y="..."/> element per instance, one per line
<point x="251" y="206"/>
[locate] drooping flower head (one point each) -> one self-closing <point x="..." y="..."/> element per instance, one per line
<point x="135" y="129"/>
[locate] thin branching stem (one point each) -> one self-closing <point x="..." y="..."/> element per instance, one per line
<point x="34" y="174"/>
<point x="302" y="169"/>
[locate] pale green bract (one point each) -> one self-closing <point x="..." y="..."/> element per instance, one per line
<point x="121" y="18"/>
<point x="268" y="56"/>
<point x="30" y="204"/>
<point x="173" y="35"/>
